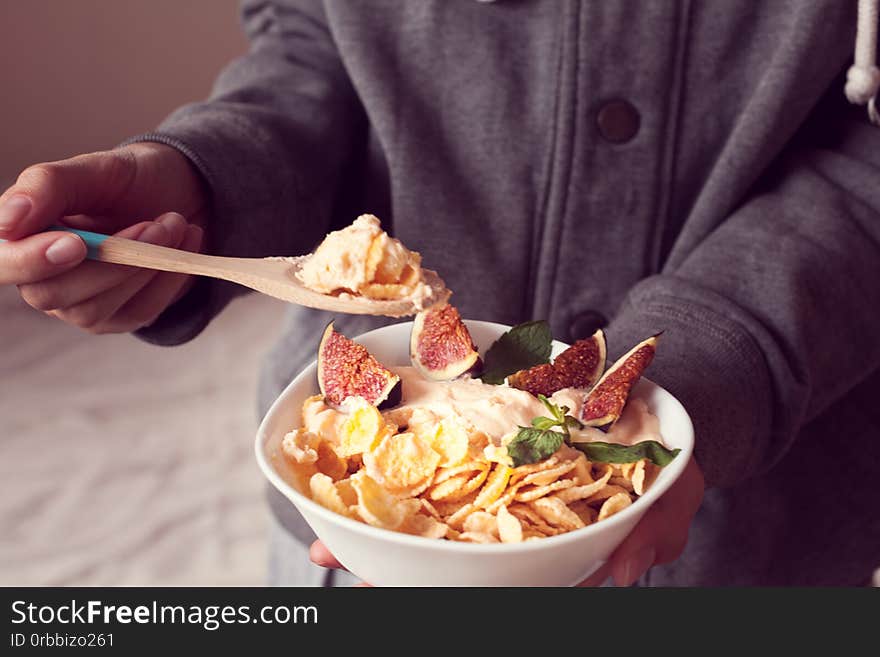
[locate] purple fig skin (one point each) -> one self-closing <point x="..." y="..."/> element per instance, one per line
<point x="394" y="397"/>
<point x="476" y="368"/>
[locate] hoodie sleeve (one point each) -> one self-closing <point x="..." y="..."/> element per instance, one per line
<point x="269" y="143"/>
<point x="773" y="317"/>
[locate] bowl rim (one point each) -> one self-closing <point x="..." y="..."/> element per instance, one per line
<point x="638" y="507"/>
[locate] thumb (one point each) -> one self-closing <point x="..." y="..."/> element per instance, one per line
<point x="44" y="193"/>
<point x="39" y="257"/>
<point x="661" y="535"/>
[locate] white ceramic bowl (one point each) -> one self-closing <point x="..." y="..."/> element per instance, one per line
<point x="390" y="558"/>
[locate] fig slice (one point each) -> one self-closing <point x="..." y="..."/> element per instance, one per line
<point x="440" y="346"/>
<point x="347" y="369"/>
<point x="605" y="402"/>
<point x="579" y="366"/>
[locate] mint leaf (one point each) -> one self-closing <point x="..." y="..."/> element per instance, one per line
<point x="533" y="445"/>
<point x="613" y="453"/>
<point x="556" y="411"/>
<point x="544" y="423"/>
<point x="522" y="347"/>
<point x="573" y="422"/>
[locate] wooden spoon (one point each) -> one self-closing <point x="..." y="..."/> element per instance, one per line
<point x="273" y="276"/>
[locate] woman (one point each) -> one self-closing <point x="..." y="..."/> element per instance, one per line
<point x="687" y="167"/>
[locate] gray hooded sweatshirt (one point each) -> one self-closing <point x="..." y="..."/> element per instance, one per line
<point x="690" y="167"/>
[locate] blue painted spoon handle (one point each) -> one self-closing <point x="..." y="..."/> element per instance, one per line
<point x="121" y="251"/>
<point x="93" y="240"/>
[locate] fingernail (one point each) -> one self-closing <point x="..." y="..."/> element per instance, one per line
<point x="65" y="249"/>
<point x="153" y="233"/>
<point x="13" y="211"/>
<point x="636" y="566"/>
<point x="172" y="220"/>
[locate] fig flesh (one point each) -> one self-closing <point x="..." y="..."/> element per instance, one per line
<point x="579" y="366"/>
<point x="440" y="346"/>
<point x="605" y="402"/>
<point x="347" y="369"/>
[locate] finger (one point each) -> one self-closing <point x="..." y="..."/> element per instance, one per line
<point x="599" y="577"/>
<point x="320" y="555"/>
<point x="92" y="278"/>
<point x="94" y="314"/>
<point x="143" y="308"/>
<point x="39" y="256"/>
<point x="90" y="315"/>
<point x="661" y="535"/>
<point x="95" y="223"/>
<point x="44" y="193"/>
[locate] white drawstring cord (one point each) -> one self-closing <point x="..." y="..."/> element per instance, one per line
<point x="863" y="77"/>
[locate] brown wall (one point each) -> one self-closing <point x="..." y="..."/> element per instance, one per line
<point x="81" y="75"/>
